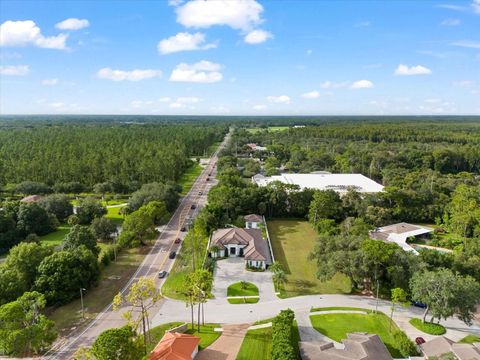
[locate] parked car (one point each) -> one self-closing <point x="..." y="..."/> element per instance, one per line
<point x="419" y="340"/>
<point x="183" y="229"/>
<point x="172" y="255"/>
<point x="162" y="274"/>
<point x="207" y="179"/>
<point x="419" y="304"/>
<point x="193" y="206"/>
<point x="200" y="193"/>
<point x="178" y="241"/>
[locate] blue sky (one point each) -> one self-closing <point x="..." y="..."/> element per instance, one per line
<point x="241" y="57"/>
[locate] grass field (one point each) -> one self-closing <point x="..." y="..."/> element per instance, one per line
<point x="189" y="177"/>
<point x="257" y="344"/>
<point x="270" y="128"/>
<point x="113" y="214"/>
<point x="292" y="242"/>
<point x="113" y="278"/>
<point x="56" y="237"/>
<point x="470" y="339"/>
<point x="336" y="327"/>
<point x="236" y="289"/>
<point x="340" y="308"/>
<point x="237" y="301"/>
<point x="428" y="327"/>
<point x="206" y="334"/>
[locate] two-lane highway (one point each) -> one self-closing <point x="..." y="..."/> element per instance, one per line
<point x="156" y="260"/>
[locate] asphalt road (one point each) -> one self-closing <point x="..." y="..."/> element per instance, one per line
<point x="156" y="260"/>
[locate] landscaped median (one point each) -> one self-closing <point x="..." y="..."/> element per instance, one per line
<point x="337" y="322"/>
<point x="243" y="293"/>
<point x="428" y="327"/>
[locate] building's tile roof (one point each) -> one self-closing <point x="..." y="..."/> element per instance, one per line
<point x="253" y="218"/>
<point x="442" y="345"/>
<point x="175" y="346"/>
<point x="32" y="198"/>
<point x="256" y="247"/>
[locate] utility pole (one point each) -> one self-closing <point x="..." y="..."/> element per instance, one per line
<point x="81" y="301"/>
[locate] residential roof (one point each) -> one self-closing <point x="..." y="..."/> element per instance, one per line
<point x="358" y="346"/>
<point x="442" y="345"/>
<point x="256" y="247"/>
<point x="253" y="218"/>
<point x="399" y="234"/>
<point x="175" y="346"/>
<point x="32" y="198"/>
<point x="339" y="182"/>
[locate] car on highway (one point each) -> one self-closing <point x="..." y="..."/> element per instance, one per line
<point x="193" y="206"/>
<point x="183" y="229"/>
<point x="178" y="241"/>
<point x="207" y="179"/>
<point x="200" y="193"/>
<point x="162" y="274"/>
<point x="172" y="255"/>
<point x="419" y="340"/>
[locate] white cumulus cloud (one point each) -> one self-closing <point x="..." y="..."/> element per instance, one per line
<point x="201" y="72"/>
<point x="412" y="70"/>
<point x="72" y="24"/>
<point x="311" y="95"/>
<point x="184" y="41"/>
<point x="23" y="33"/>
<point x="257" y="36"/>
<point x="14" y="70"/>
<point x="362" y="84"/>
<point x="133" y="75"/>
<point x="259" y="107"/>
<point x="282" y="99"/>
<point x="50" y="82"/>
<point x="238" y="14"/>
<point x="467" y="44"/>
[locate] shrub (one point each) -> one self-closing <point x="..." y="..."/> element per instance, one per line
<point x="428" y="327"/>
<point x="404" y="344"/>
<point x="282" y="330"/>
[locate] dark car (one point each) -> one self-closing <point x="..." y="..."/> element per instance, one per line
<point x="183" y="228"/>
<point x="207" y="179"/>
<point x="419" y="304"/>
<point x="200" y="193"/>
<point x="162" y="274"/>
<point x="193" y="206"/>
<point x="209" y="175"/>
<point x="419" y="340"/>
<point x="178" y="241"/>
<point x="172" y="255"/>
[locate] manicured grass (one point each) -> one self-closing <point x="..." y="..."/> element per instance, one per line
<point x="292" y="242"/>
<point x="428" y="327"/>
<point x="206" y="334"/>
<point x="270" y="128"/>
<point x="340" y="308"/>
<point x="337" y="326"/>
<point x="237" y="290"/>
<point x="257" y="345"/>
<point x="188" y="178"/>
<point x="243" y="301"/>
<point x="114" y="214"/>
<point x="264" y="321"/>
<point x="470" y="339"/>
<point x="113" y="278"/>
<point x="56" y="237"/>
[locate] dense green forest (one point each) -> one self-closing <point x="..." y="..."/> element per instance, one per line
<point x="89" y="152"/>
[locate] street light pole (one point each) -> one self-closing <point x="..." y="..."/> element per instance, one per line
<point x="81" y="301"/>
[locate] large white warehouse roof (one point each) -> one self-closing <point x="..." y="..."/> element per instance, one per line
<point x="338" y="182"/>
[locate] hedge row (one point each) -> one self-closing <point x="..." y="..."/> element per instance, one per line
<point x="282" y="335"/>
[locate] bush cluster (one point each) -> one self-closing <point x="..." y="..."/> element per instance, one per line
<point x="108" y="254"/>
<point x="405" y="345"/>
<point x="282" y="329"/>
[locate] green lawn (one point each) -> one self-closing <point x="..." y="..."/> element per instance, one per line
<point x="206" y="334"/>
<point x="113" y="278"/>
<point x="270" y="128"/>
<point x="189" y="177"/>
<point x="236" y="289"/>
<point x="257" y="345"/>
<point x="56" y="237"/>
<point x="336" y="327"/>
<point x="340" y="308"/>
<point x="114" y="214"/>
<point x="292" y="242"/>
<point x="243" y="301"/>
<point x="470" y="339"/>
<point x="428" y="327"/>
